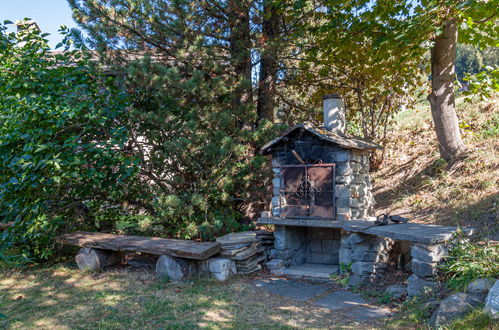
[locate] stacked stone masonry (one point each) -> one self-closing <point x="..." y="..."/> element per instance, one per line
<point x="354" y="199"/>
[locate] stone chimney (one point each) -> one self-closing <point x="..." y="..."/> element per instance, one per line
<point x="334" y="114"/>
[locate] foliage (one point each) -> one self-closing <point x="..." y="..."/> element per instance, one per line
<point x="194" y="123"/>
<point x="476" y="319"/>
<point x="414" y="312"/>
<point x="469" y="261"/>
<point x="482" y="84"/>
<point x="62" y="143"/>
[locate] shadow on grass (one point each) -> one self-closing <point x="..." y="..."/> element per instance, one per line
<point x="62" y="298"/>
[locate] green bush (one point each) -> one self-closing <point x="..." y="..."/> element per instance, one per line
<point x="468" y="261"/>
<point x="62" y="142"/>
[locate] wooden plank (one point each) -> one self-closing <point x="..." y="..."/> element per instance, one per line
<point x="152" y="245"/>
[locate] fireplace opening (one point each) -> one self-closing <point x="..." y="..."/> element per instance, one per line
<point x="307" y="191"/>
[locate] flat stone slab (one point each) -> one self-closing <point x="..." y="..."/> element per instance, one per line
<point x="414" y="232"/>
<point x="340" y="299"/>
<point x="288" y="288"/>
<point x="152" y="245"/>
<point x="237" y="238"/>
<point x="311" y="270"/>
<point x="301" y="222"/>
<point x="367" y="313"/>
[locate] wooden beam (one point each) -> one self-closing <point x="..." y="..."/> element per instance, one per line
<point x="152" y="245"/>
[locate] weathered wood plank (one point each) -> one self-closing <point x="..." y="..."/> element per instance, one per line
<point x="152" y="245"/>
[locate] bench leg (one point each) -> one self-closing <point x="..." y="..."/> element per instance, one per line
<point x="175" y="269"/>
<point x="96" y="259"/>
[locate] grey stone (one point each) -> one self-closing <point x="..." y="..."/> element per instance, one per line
<point x="247" y="253"/>
<point x="275" y="201"/>
<point x="355" y="214"/>
<point x="480" y="286"/>
<point x="340" y="156"/>
<point x="452" y="308"/>
<point x="219" y="265"/>
<point x="343" y="216"/>
<point x="297" y="290"/>
<point x="345" y="256"/>
<point x="342" y="191"/>
<point x="396" y="291"/>
<point x="279" y="236"/>
<point x="492" y="301"/>
<point x="359" y="255"/>
<point x="423" y="269"/>
<point x="346" y="179"/>
<point x="355" y="238"/>
<point x="174" y="269"/>
<point x="363" y="268"/>
<point x="311" y="270"/>
<point x="354" y="202"/>
<point x="340" y="299"/>
<point x="276" y="170"/>
<point x="356" y="157"/>
<point x="343" y="169"/>
<point x="96" y="259"/>
<point x="276" y="264"/>
<point x="316" y="245"/>
<point x="343" y="202"/>
<point x="429" y="253"/>
<point x="414" y="232"/>
<point x="366" y="313"/>
<point x="276" y="182"/>
<point x="420" y="287"/>
<point x="358" y="280"/>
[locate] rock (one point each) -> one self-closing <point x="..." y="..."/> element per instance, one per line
<point x="419" y="287"/>
<point x="423" y="269"/>
<point x="96" y="259"/>
<point x="363" y="268"/>
<point x="275" y="264"/>
<point x="452" y="308"/>
<point x="480" y="286"/>
<point x="430" y="253"/>
<point x="492" y="301"/>
<point x="221" y="268"/>
<point x="396" y="291"/>
<point x="174" y="269"/>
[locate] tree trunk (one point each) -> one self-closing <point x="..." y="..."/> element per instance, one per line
<point x="268" y="63"/>
<point x="443" y="108"/>
<point x="240" y="48"/>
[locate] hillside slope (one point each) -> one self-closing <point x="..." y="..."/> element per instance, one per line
<point x="415" y="182"/>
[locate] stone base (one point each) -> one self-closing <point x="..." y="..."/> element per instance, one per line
<point x="309" y="271"/>
<point x="97" y="259"/>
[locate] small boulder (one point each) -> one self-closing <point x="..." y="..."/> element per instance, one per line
<point x="452" y="308"/>
<point x="492" y="301"/>
<point x="480" y="286"/>
<point x="419" y="287"/>
<point x="396" y="291"/>
<point x="174" y="269"/>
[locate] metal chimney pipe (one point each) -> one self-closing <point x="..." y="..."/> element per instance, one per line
<point x="334" y="113"/>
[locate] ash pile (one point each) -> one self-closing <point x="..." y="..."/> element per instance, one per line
<point x="248" y="249"/>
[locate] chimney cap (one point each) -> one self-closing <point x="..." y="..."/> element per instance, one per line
<point x="331" y="96"/>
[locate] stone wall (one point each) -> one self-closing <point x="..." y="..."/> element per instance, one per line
<point x="354" y="199"/>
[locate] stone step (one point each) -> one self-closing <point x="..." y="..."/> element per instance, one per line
<point x="311" y="270"/>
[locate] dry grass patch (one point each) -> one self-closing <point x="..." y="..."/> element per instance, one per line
<point x="414" y="181"/>
<point x="65" y="298"/>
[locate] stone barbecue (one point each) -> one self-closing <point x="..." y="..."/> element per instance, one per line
<point x="323" y="210"/>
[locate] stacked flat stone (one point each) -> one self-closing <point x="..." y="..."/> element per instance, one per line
<point x="245" y="249"/>
<point x="266" y="239"/>
<point x="425" y="259"/>
<point x="367" y="254"/>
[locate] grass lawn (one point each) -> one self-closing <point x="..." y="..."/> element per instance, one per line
<point x="63" y="298"/>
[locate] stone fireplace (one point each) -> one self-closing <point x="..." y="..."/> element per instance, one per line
<point x="322" y="209"/>
<point x="321" y="179"/>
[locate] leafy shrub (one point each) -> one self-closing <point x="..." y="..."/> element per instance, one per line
<point x="468" y="261"/>
<point x="62" y="142"/>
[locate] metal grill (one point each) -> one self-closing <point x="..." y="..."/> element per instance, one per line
<point x="307" y="191"/>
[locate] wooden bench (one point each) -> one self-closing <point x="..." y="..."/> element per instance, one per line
<point x="101" y="250"/>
